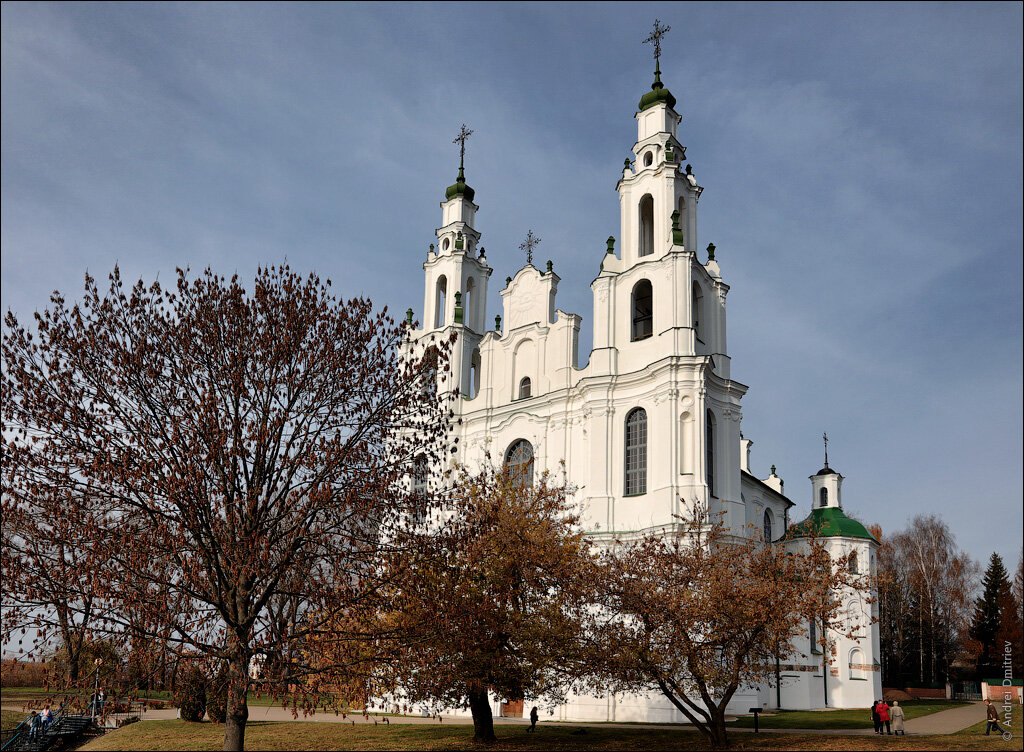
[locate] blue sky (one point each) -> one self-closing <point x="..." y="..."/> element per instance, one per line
<point x="861" y="165"/>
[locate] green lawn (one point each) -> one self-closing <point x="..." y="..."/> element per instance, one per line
<point x="179" y="735"/>
<point x="10" y="719"/>
<point x="857" y="718"/>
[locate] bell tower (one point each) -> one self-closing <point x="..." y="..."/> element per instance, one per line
<point x="456" y="274"/>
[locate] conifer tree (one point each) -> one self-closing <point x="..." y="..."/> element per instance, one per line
<point x="987" y="617"/>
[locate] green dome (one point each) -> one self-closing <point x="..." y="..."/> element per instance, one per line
<point x="657" y="94"/>
<point x="829" y="522"/>
<point x="459" y="188"/>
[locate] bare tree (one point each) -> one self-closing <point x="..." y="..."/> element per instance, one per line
<point x="240" y="454"/>
<point x="937" y="581"/>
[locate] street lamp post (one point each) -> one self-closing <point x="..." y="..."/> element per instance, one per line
<point x="96" y="687"/>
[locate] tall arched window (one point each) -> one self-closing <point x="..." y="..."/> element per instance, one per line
<point x="709" y="452"/>
<point x="646" y="239"/>
<point x="823" y="497"/>
<point x="467" y="304"/>
<point x="636" y="452"/>
<point x="853" y="568"/>
<point x="474" y="374"/>
<point x="815" y="647"/>
<point x="642" y="310"/>
<point x="419" y="486"/>
<point x="857" y="664"/>
<point x="697" y="311"/>
<point x="519" y="462"/>
<point x="768" y="533"/>
<point x="682" y="218"/>
<point x="439" y="302"/>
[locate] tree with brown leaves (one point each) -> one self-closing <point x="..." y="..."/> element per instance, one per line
<point x="495" y="603"/>
<point x="698" y="613"/>
<point x="240" y="453"/>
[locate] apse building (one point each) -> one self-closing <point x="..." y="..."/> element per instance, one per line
<point x="650" y="427"/>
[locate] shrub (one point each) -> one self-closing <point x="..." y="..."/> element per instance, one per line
<point x="191" y="696"/>
<point x="217" y="698"/>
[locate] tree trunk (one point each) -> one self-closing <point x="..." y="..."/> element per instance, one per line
<point x="238" y="708"/>
<point x="483" y="721"/>
<point x="717" y="730"/>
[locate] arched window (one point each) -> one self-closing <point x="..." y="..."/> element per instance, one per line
<point x="467" y="304"/>
<point x="636" y="452"/>
<point x="525" y="388"/>
<point x="682" y="218"/>
<point x="643" y="310"/>
<point x="686" y="439"/>
<point x="697" y="311"/>
<point x="768" y="526"/>
<point x="418" y="486"/>
<point x="474" y="374"/>
<point x="519" y="462"/>
<point x="430" y="364"/>
<point x="439" y="302"/>
<point x="857" y="667"/>
<point x="709" y="452"/>
<point x="648" y="159"/>
<point x="815" y="647"/>
<point x="646" y="246"/>
<point x="823" y="497"/>
<point x="853" y="568"/>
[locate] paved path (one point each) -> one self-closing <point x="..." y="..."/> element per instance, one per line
<point x="947" y="721"/>
<point x="943" y="722"/>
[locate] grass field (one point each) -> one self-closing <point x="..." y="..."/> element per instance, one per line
<point x="179" y="735"/>
<point x="858" y="718"/>
<point x="10" y="719"/>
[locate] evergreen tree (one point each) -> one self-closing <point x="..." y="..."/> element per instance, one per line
<point x="987" y="616"/>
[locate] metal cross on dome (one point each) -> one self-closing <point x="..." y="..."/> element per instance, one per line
<point x="825" y="437"/>
<point x="655" y="39"/>
<point x="528" y="245"/>
<point x="464" y="133"/>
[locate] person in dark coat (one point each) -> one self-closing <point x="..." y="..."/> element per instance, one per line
<point x="991" y="718"/>
<point x="534" y="717"/>
<point x="874" y="717"/>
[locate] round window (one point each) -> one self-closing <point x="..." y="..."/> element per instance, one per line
<point x="444" y="244"/>
<point x="648" y="159"/>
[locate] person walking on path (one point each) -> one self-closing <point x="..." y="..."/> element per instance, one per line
<point x="534" y="717"/>
<point x="874" y="717"/>
<point x="46" y="717"/>
<point x="992" y="718"/>
<point x="897" y="718"/>
<point x="883" y="717"/>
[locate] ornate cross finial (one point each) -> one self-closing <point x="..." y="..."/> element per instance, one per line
<point x="464" y="133"/>
<point x="528" y="245"/>
<point x="655" y="38"/>
<point x="825" y="437"/>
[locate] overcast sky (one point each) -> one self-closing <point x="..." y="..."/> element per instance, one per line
<point x="861" y="165"/>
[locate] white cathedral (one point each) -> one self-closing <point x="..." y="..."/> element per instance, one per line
<point x="650" y="426"/>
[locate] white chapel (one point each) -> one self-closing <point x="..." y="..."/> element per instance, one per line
<point x="650" y="426"/>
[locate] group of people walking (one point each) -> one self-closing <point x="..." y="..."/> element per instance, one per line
<point x="888" y="717"/>
<point x="39" y="722"/>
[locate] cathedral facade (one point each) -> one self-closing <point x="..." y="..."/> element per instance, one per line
<point x="650" y="427"/>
